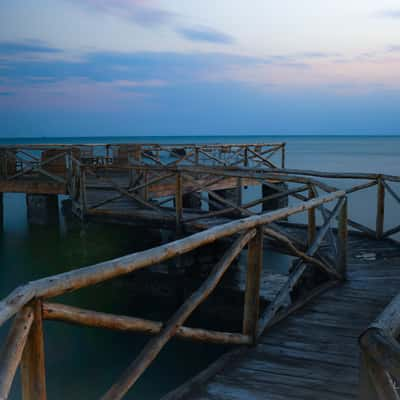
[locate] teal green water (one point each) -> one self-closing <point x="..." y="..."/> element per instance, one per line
<point x="83" y="362"/>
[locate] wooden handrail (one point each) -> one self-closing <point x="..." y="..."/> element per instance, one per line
<point x="95" y="319"/>
<point x="250" y="229"/>
<point x="83" y="277"/>
<point x="381" y="355"/>
<point x="155" y="345"/>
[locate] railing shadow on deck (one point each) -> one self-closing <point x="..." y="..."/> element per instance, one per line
<point x="29" y="304"/>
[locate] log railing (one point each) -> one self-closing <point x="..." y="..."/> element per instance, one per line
<point x="317" y="182"/>
<point x="154" y="188"/>
<point x="380" y="356"/>
<point x="24" y="160"/>
<point x="29" y="304"/>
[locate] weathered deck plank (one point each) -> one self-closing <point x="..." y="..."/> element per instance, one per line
<point x="314" y="354"/>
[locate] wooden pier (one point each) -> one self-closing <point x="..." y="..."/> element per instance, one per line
<point x="327" y="332"/>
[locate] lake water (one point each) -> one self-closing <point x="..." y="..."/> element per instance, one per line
<point x="83" y="362"/>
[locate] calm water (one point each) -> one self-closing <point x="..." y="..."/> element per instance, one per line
<point x="83" y="362"/>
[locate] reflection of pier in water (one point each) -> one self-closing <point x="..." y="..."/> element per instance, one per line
<point x="229" y="206"/>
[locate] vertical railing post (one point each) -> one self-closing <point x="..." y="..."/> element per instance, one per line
<point x="239" y="191"/>
<point x="253" y="279"/>
<point x="342" y="233"/>
<point x="196" y="155"/>
<point x="283" y="159"/>
<point x="367" y="390"/>
<point x="178" y="202"/>
<point x="83" y="191"/>
<point x="33" y="374"/>
<point x="146" y="188"/>
<point x="69" y="170"/>
<point x="246" y="157"/>
<point x="3" y="163"/>
<point x="311" y="227"/>
<point x="380" y="208"/>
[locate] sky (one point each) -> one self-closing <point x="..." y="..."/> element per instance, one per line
<point x="185" y="67"/>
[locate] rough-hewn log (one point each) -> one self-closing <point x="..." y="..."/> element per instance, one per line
<point x="83" y="277"/>
<point x="179" y="202"/>
<point x="312" y="227"/>
<point x="342" y="240"/>
<point x="155" y="345"/>
<point x="79" y="316"/>
<point x="380" y="381"/>
<point x="366" y="385"/>
<point x="383" y="349"/>
<point x="380" y="209"/>
<point x="298" y="270"/>
<point x="33" y="374"/>
<point x="252" y="292"/>
<point x="303" y="255"/>
<point x="389" y="320"/>
<point x="12" y="349"/>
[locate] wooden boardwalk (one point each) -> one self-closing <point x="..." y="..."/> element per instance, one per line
<point x="313" y="354"/>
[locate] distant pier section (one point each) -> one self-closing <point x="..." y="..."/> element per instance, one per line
<point x="143" y="179"/>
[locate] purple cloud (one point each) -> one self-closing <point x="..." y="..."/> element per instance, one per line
<point x="143" y="13"/>
<point x="203" y="34"/>
<point x="394" y="49"/>
<point x="393" y="13"/>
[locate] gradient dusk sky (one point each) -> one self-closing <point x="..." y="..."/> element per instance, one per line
<point x="164" y="67"/>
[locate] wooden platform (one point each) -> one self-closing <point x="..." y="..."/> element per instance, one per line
<point x="314" y="354"/>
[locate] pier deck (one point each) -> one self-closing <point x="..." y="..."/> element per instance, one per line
<point x="314" y="353"/>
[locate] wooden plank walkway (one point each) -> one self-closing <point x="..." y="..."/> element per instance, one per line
<point x="313" y="354"/>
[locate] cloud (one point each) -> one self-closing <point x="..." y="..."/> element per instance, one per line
<point x="393" y="13"/>
<point x="141" y="12"/>
<point x="204" y="34"/>
<point x="26" y="47"/>
<point x="113" y="66"/>
<point x="394" y="49"/>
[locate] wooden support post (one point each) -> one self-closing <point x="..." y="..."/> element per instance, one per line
<point x="33" y="375"/>
<point x="146" y="187"/>
<point x="83" y="192"/>
<point x="42" y="208"/>
<point x="380" y="208"/>
<point x="3" y="164"/>
<point x="196" y="155"/>
<point x="179" y="202"/>
<point x="1" y="210"/>
<point x="283" y="160"/>
<point x="239" y="191"/>
<point x="252" y="294"/>
<point x="246" y="157"/>
<point x="342" y="233"/>
<point x="367" y="390"/>
<point x="311" y="219"/>
<point x="12" y="349"/>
